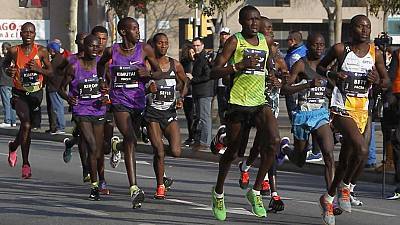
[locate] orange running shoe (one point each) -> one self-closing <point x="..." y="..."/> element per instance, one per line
<point x="160" y="192"/>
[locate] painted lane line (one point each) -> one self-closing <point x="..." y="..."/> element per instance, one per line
<point x="87" y="211"/>
<point x="356" y="210"/>
<point x="124" y="173"/>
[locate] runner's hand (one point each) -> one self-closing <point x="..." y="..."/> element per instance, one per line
<point x="72" y="100"/>
<point x="33" y="66"/>
<point x="249" y="63"/>
<point x="341" y="75"/>
<point x="179" y="104"/>
<point x="275" y="81"/>
<point x="143" y="72"/>
<point x="373" y="76"/>
<point x="12" y="71"/>
<point x="317" y="82"/>
<point x="103" y="87"/>
<point x="153" y="88"/>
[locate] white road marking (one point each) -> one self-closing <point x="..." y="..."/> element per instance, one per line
<point x="137" y="162"/>
<point x="356" y="210"/>
<point x="88" y="211"/>
<point x="124" y="173"/>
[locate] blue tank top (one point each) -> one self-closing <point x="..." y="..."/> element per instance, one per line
<point x="127" y="88"/>
<point x="85" y="86"/>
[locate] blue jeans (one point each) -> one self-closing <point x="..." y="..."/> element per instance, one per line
<point x="203" y="116"/>
<point x="9" y="113"/>
<point x="58" y="108"/>
<point x="372" y="146"/>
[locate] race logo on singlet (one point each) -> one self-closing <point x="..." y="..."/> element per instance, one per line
<point x="125" y="76"/>
<point x="89" y="88"/>
<point x="261" y="57"/>
<point x="29" y="78"/>
<point x="356" y="84"/>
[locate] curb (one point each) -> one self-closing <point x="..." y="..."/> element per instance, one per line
<point x="308" y="168"/>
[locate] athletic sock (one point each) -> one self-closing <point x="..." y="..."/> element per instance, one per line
<point x="342" y="184"/>
<point x="256" y="192"/>
<point x="266" y="177"/>
<point x="328" y="198"/>
<point x="273" y="194"/>
<point x="219" y="195"/>
<point x="95" y="184"/>
<point x="245" y="167"/>
<point x="352" y="186"/>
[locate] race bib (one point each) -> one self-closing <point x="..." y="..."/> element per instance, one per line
<point x="316" y="95"/>
<point x="259" y="68"/>
<point x="29" y="78"/>
<point x="125" y="77"/>
<point x="356" y="84"/>
<point x="165" y="94"/>
<point x="89" y="89"/>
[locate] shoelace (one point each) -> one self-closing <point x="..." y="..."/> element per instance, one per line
<point x="259" y="201"/>
<point x="329" y="208"/>
<point x="265" y="185"/>
<point x="345" y="194"/>
<point x="220" y="203"/>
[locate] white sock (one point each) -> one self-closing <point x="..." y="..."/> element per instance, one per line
<point x="352" y="186"/>
<point x="245" y="167"/>
<point x="273" y="194"/>
<point x="266" y="177"/>
<point x="342" y="184"/>
<point x="165" y="175"/>
<point x="219" y="195"/>
<point x="329" y="198"/>
<point x="255" y="192"/>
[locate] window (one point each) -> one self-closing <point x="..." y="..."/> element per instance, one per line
<point x="33" y="3"/>
<point x="273" y="3"/>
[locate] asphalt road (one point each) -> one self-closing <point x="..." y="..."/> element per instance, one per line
<point x="56" y="195"/>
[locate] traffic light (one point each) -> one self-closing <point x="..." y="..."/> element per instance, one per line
<point x="206" y="25"/>
<point x="188" y="31"/>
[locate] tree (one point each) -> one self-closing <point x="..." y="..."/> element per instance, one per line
<point x="389" y="7"/>
<point x="73" y="24"/>
<point x="122" y="7"/>
<point x="334" y="10"/>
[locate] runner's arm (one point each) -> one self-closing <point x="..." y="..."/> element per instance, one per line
<point x="384" y="80"/>
<point x="9" y="58"/>
<point x="47" y="69"/>
<point x="68" y="77"/>
<point x="333" y="54"/>
<point x="156" y="71"/>
<point x="288" y="88"/>
<point x="219" y="70"/>
<point x="101" y="64"/>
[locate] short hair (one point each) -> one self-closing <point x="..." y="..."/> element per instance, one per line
<point x="89" y="38"/>
<point x="265" y="19"/>
<point x="311" y="37"/>
<point x="28" y="24"/>
<point x="198" y="39"/>
<point x="156" y="36"/>
<point x="356" y="18"/>
<point x="296" y="35"/>
<point x="246" y="9"/>
<point x="99" y="29"/>
<point x="124" y="22"/>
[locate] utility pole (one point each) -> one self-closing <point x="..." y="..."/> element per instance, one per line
<point x="196" y="21"/>
<point x="85" y="9"/>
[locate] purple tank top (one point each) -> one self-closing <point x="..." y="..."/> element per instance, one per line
<point x="127" y="88"/>
<point x="85" y="86"/>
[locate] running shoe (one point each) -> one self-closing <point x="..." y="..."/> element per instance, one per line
<point x="188" y="142"/>
<point x="103" y="188"/>
<point x="276" y="204"/>
<point x="160" y="192"/>
<point x="395" y="196"/>
<point x="145" y="137"/>
<point x="218" y="206"/>
<point x="94" y="194"/>
<point x="26" y="171"/>
<point x="67" y="154"/>
<point x="115" y="153"/>
<point x="336" y="209"/>
<point x="12" y="155"/>
<point x="265" y="188"/>
<point x="354" y="200"/>
<point x="257" y="205"/>
<point x="217" y="146"/>
<point x="244" y="177"/>
<point x="311" y="157"/>
<point x="167" y="181"/>
<point x="280" y="156"/>
<point x="137" y="196"/>
<point x="344" y="198"/>
<point x="327" y="211"/>
<point x="86" y="177"/>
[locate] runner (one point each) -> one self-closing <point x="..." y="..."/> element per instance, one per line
<point x="87" y="107"/>
<point x="248" y="52"/>
<point x="127" y="91"/>
<point x="26" y="63"/>
<point x="160" y="113"/>
<point x="272" y="90"/>
<point x="360" y="66"/>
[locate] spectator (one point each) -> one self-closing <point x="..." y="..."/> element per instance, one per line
<point x="203" y="92"/>
<point x="187" y="59"/>
<point x="224" y="34"/>
<point x="6" y="85"/>
<point x="54" y="83"/>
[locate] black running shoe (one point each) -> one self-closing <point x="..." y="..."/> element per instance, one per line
<point x="216" y="146"/>
<point x="94" y="194"/>
<point x="168" y="182"/>
<point x="276" y="204"/>
<point x="137" y="196"/>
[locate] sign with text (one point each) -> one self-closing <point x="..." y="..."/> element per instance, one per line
<point x="10" y="29"/>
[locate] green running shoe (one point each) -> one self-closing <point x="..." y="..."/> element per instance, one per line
<point x="257" y="205"/>
<point x="137" y="196"/>
<point x="218" y="206"/>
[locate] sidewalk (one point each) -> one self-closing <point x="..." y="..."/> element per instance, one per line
<point x="316" y="168"/>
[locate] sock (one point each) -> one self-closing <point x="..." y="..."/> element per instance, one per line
<point x="266" y="177"/>
<point x="273" y="194"/>
<point x="255" y="192"/>
<point x="329" y="198"/>
<point x="95" y="184"/>
<point x="352" y="186"/>
<point x="342" y="184"/>
<point x="219" y="195"/>
<point x="165" y="175"/>
<point x="245" y="167"/>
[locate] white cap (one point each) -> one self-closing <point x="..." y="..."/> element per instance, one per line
<point x="225" y="30"/>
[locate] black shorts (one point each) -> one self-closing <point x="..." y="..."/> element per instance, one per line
<point x="109" y="116"/>
<point x="90" y="119"/>
<point x="162" y="117"/>
<point x="136" y="115"/>
<point x="33" y="100"/>
<point x="243" y="114"/>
